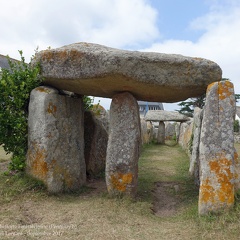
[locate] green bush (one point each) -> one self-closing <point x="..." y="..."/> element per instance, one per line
<point x="236" y="126"/>
<point x="16" y="84"/>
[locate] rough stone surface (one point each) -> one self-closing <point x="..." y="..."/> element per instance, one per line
<point x="55" y="144"/>
<point x="96" y="70"/>
<point x="102" y="115"/>
<point x="95" y="138"/>
<point x="194" y="159"/>
<point x="237" y="137"/>
<point x="123" y="145"/>
<point x="216" y="153"/>
<point x="162" y="115"/>
<point x="177" y="130"/>
<point x="185" y="135"/>
<point x="146" y="132"/>
<point x="170" y="132"/>
<point x="161" y="133"/>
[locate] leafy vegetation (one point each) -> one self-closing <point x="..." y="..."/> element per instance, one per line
<point x="236" y="126"/>
<point x="16" y="84"/>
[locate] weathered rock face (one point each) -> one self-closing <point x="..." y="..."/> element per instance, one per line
<point x="123" y="145"/>
<point x="194" y="159"/>
<point x="102" y="115"/>
<point x="217" y="168"/>
<point x="170" y="132"/>
<point x="162" y="115"/>
<point x="146" y="132"/>
<point x="91" y="69"/>
<point x="185" y="135"/>
<point x="161" y="133"/>
<point x="56" y="145"/>
<point x="95" y="138"/>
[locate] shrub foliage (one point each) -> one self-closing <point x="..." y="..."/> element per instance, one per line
<point x="16" y="84"/>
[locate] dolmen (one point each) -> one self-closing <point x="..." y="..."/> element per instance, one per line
<point x="56" y="145"/>
<point x="162" y="116"/>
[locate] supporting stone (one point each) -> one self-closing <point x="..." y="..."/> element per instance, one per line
<point x="161" y="133"/>
<point x="123" y="146"/>
<point x="216" y="153"/>
<point x="194" y="159"/>
<point x="95" y="138"/>
<point x="55" y="144"/>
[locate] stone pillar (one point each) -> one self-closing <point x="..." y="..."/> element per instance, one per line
<point x="216" y="153"/>
<point x="95" y="138"/>
<point x="55" y="143"/>
<point x="123" y="146"/>
<point x="194" y="159"/>
<point x="161" y="133"/>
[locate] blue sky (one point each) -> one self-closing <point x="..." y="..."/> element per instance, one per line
<point x="198" y="28"/>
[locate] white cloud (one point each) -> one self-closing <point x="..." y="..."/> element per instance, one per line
<point x="122" y="24"/>
<point x="220" y="41"/>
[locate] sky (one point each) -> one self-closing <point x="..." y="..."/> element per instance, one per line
<point x="197" y="28"/>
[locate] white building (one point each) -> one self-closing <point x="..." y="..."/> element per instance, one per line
<point x="145" y="106"/>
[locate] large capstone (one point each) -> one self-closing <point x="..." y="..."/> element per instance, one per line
<point x="96" y="70"/>
<point x="123" y="146"/>
<point x="216" y="153"/>
<point x="55" y="145"/>
<point x="162" y="115"/>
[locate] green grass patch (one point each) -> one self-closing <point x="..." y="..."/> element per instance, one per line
<point x="16" y="185"/>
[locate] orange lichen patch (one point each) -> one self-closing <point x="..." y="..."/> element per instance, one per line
<point x="236" y="160"/>
<point x="42" y="89"/>
<point x="206" y="192"/>
<point x="39" y="168"/>
<point x="52" y="109"/>
<point x="225" y="89"/>
<point x="120" y="181"/>
<point x="223" y="191"/>
<point x="47" y="55"/>
<point x="210" y="86"/>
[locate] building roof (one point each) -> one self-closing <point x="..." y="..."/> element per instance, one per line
<point x="4" y="61"/>
<point x="157" y="104"/>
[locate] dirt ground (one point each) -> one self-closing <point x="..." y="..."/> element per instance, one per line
<point x="92" y="214"/>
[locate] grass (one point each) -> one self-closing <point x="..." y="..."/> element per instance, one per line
<point x="94" y="215"/>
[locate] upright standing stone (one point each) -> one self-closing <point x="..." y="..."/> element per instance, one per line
<point x="95" y="138"/>
<point x="123" y="145"/>
<point x="217" y="170"/>
<point x="194" y="159"/>
<point x="161" y="133"/>
<point x="56" y="145"/>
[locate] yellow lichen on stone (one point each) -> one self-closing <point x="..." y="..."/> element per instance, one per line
<point x="225" y="89"/>
<point x="223" y="191"/>
<point x="207" y="192"/>
<point x="39" y="167"/>
<point x="120" y="181"/>
<point x="210" y="86"/>
<point x="42" y="89"/>
<point x="52" y="109"/>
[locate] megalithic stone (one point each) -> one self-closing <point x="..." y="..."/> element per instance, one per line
<point x="56" y="141"/>
<point x="216" y="153"/>
<point x="161" y="133"/>
<point x="123" y="146"/>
